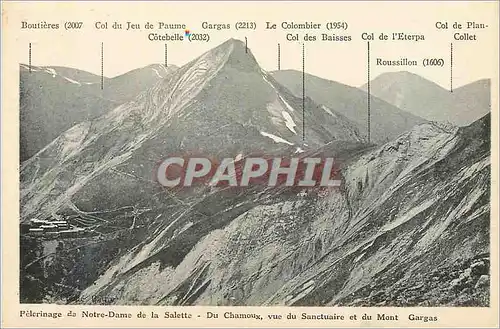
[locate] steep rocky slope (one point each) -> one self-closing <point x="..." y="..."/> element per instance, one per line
<point x="410" y="227"/>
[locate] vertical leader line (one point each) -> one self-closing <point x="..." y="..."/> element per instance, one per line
<point x="369" y="92"/>
<point x="303" y="92"/>
<point x="102" y="65"/>
<point x="451" y="67"/>
<point x="29" y="56"/>
<point x="166" y="55"/>
<point x="279" y="57"/>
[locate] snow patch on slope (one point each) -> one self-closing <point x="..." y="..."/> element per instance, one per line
<point x="72" y="81"/>
<point x="290" y="124"/>
<point x="286" y="104"/>
<point x="264" y="76"/>
<point x="327" y="110"/>
<point x="27" y="67"/>
<point x="275" y="138"/>
<point x="51" y="71"/>
<point x="157" y="73"/>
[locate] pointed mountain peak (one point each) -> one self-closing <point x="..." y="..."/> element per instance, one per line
<point x="231" y="44"/>
<point x="234" y="42"/>
<point x="239" y="55"/>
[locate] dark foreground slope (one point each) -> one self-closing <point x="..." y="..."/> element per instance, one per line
<point x="410" y="227"/>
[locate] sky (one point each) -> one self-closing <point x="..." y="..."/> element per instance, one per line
<point x="344" y="62"/>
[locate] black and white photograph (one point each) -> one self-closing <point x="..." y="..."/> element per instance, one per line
<point x="258" y="164"/>
<point x="407" y="225"/>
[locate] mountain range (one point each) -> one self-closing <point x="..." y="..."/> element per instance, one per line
<point x="53" y="99"/>
<point x="426" y="99"/>
<point x="386" y="120"/>
<point x="409" y="226"/>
